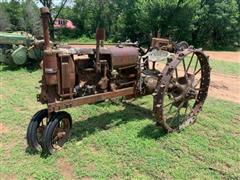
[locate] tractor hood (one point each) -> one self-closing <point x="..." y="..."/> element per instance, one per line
<point x="17" y="38"/>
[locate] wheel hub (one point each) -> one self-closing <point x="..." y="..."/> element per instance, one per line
<point x="182" y="89"/>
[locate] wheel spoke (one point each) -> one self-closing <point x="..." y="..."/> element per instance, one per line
<point x="170" y="109"/>
<point x="169" y="104"/>
<point x="195" y="73"/>
<point x="180" y="106"/>
<point x="55" y="139"/>
<point x="186" y="108"/>
<point x="196" y="67"/>
<point x="176" y="72"/>
<point x="184" y="66"/>
<point x="199" y="89"/>
<point x="195" y="85"/>
<point x="190" y="62"/>
<point x="178" y="109"/>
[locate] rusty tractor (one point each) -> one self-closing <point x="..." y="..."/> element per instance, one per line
<point x="178" y="80"/>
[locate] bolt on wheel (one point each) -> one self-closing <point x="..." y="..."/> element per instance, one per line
<point x="57" y="132"/>
<point x="182" y="90"/>
<point x="35" y="129"/>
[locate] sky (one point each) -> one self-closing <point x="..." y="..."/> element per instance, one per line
<point x="56" y="2"/>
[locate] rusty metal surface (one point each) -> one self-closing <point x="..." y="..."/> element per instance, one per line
<point x="50" y="68"/>
<point x="124" y="56"/>
<point x="67" y="75"/>
<point x="163" y="87"/>
<point x="45" y="18"/>
<point x="100" y="34"/>
<point x="158" y="42"/>
<point x="89" y="99"/>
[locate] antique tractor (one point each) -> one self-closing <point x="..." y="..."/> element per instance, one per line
<point x="177" y="79"/>
<point x="19" y="47"/>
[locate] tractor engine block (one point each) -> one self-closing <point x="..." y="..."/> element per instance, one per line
<point x="74" y="74"/>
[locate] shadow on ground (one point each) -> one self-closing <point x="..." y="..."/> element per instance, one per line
<point x="105" y="121"/>
<point x="30" y="67"/>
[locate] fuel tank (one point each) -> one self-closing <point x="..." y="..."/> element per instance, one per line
<point x="124" y="56"/>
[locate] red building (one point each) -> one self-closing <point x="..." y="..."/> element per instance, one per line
<point x="63" y="23"/>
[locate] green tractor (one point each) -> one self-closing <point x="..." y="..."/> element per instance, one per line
<point x="18" y="48"/>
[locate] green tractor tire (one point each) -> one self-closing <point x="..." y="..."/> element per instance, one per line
<point x="19" y="56"/>
<point x="35" y="53"/>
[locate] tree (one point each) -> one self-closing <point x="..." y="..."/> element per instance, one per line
<point x="170" y="18"/>
<point x="4" y="20"/>
<point x="32" y="19"/>
<point x="238" y="29"/>
<point x="85" y="19"/>
<point x="217" y="23"/>
<point x="14" y="9"/>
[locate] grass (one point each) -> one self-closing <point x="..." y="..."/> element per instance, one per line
<point x="83" y="40"/>
<point x="218" y="66"/>
<point x="117" y="141"/>
<point x="223" y="67"/>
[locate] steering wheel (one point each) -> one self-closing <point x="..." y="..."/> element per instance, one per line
<point x="143" y="51"/>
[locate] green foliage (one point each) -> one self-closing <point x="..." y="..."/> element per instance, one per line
<point x="22" y="16"/>
<point x="171" y="18"/>
<point x="14" y="9"/>
<point x="85" y="18"/>
<point x="83" y="39"/>
<point x="32" y="18"/>
<point x="4" y="19"/>
<point x="207" y="23"/>
<point x="112" y="141"/>
<point x="217" y="23"/>
<point x="64" y="33"/>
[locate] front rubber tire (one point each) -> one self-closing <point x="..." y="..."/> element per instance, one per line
<point x="32" y="139"/>
<point x="48" y="135"/>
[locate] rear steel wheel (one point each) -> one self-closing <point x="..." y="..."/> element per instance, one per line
<point x="57" y="132"/>
<point x="182" y="90"/>
<point x="35" y="129"/>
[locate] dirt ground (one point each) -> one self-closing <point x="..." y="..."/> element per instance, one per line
<point x="222" y="86"/>
<point x="65" y="169"/>
<point x="224" y="56"/>
<point x="225" y="87"/>
<point x="3" y="129"/>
